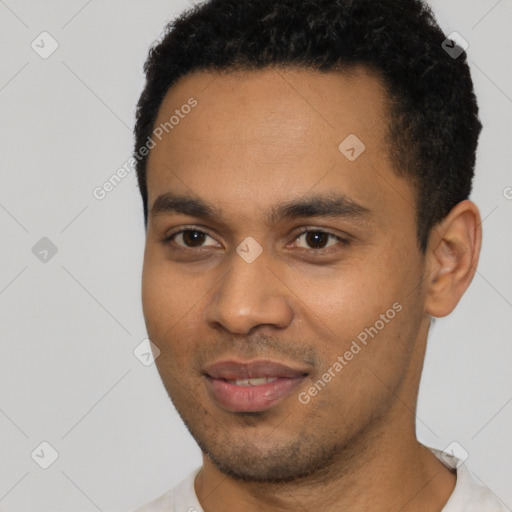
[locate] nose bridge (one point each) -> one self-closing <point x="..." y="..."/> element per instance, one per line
<point x="249" y="295"/>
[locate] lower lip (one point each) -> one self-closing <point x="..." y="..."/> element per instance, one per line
<point x="251" y="398"/>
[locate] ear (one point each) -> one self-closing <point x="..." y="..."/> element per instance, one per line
<point x="452" y="257"/>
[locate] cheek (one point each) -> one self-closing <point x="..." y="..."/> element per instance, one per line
<point x="364" y="309"/>
<point x="348" y="297"/>
<point x="167" y="299"/>
<point x="378" y="336"/>
<point x="172" y="302"/>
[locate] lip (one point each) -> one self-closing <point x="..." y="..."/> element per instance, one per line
<point x="232" y="370"/>
<point x="238" y="398"/>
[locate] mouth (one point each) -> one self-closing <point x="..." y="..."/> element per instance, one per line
<point x="251" y="386"/>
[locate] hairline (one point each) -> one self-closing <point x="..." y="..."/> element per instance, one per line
<point x="391" y="102"/>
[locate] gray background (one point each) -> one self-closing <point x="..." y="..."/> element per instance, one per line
<point x="69" y="325"/>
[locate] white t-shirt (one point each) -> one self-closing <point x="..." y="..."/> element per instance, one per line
<point x="468" y="495"/>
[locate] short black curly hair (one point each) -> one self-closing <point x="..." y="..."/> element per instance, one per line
<point x="433" y="128"/>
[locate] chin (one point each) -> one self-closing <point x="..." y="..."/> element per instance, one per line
<point x="286" y="461"/>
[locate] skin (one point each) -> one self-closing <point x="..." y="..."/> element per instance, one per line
<point x="257" y="139"/>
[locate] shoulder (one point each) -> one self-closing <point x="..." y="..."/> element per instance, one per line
<point x="161" y="504"/>
<point x="471" y="496"/>
<point x="181" y="498"/>
<point x="468" y="495"/>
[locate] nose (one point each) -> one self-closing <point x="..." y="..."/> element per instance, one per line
<point x="249" y="295"/>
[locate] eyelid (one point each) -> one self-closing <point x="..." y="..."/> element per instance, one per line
<point x="343" y="240"/>
<point x="169" y="237"/>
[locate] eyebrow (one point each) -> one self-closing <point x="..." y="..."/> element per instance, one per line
<point x="325" y="205"/>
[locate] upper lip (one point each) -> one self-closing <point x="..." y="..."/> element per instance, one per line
<point x="233" y="370"/>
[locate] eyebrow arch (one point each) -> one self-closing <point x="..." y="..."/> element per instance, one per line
<point x="324" y="205"/>
<point x="169" y="203"/>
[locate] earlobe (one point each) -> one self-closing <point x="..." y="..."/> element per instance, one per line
<point x="452" y="256"/>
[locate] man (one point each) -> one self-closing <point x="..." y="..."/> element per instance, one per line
<point x="305" y="167"/>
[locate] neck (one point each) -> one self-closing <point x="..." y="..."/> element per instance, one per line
<point x="400" y="473"/>
<point x="384" y="468"/>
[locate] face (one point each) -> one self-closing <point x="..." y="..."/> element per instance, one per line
<point x="281" y="277"/>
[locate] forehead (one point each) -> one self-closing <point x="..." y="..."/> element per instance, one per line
<point x="276" y="131"/>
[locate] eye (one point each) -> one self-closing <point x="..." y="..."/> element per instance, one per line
<point x="189" y="238"/>
<point x="317" y="240"/>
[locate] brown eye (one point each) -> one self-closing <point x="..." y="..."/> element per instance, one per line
<point x="193" y="238"/>
<point x="190" y="238"/>
<point x="317" y="240"/>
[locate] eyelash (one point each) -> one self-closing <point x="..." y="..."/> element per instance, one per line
<point x="322" y="251"/>
<point x="317" y="252"/>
